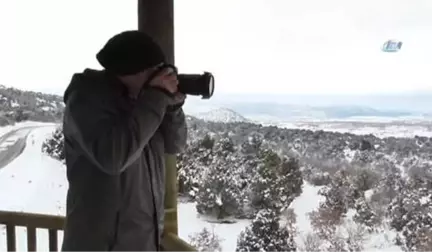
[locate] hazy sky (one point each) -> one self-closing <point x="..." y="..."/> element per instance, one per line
<point x="267" y="46"/>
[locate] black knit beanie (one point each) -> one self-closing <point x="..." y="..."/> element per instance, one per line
<point x="130" y="52"/>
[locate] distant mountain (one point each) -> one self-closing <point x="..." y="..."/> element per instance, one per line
<point x="408" y="101"/>
<point x="355" y="111"/>
<point x="221" y="115"/>
<point x="279" y="111"/>
<point x="18" y="105"/>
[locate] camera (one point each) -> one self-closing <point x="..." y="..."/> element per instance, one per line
<point x="193" y="84"/>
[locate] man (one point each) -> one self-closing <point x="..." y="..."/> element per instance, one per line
<point x="118" y="124"/>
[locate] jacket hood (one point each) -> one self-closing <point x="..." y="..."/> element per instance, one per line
<point x="85" y="82"/>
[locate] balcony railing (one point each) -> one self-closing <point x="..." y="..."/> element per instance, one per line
<point x="12" y="220"/>
<point x="31" y="222"/>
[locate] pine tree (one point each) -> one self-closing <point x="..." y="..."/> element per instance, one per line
<point x="276" y="183"/>
<point x="219" y="193"/>
<point x="265" y="234"/>
<point x="54" y="145"/>
<point x="410" y="214"/>
<point x="339" y="194"/>
<point x="207" y="142"/>
<point x="264" y="187"/>
<point x="364" y="214"/>
<point x="252" y="146"/>
<point x="388" y="188"/>
<point x="191" y="165"/>
<point x="290" y="181"/>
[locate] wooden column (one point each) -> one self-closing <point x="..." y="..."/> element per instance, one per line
<point x="156" y="18"/>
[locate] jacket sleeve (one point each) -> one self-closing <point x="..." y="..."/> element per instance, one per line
<point x="113" y="141"/>
<point x="174" y="130"/>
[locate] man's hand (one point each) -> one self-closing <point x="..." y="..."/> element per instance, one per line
<point x="166" y="80"/>
<point x="177" y="102"/>
<point x="179" y="98"/>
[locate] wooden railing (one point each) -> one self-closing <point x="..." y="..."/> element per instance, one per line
<point x="31" y="222"/>
<point x="170" y="242"/>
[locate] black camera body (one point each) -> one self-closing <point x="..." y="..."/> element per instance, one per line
<point x="193" y="84"/>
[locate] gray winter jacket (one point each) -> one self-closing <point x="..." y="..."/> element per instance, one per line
<point x="115" y="163"/>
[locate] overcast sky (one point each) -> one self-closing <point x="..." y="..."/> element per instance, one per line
<point x="267" y="46"/>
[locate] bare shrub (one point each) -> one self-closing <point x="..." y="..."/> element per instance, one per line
<point x="207" y="241"/>
<point x="311" y="242"/>
<point x="324" y="221"/>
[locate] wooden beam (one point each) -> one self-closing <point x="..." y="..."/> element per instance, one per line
<point x="156" y="18"/>
<point x="171" y="215"/>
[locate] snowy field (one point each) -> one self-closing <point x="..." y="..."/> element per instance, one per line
<point x="36" y="183"/>
<point x="380" y="129"/>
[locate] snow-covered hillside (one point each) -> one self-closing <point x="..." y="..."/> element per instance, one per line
<point x="41" y="186"/>
<point x="17" y="105"/>
<point x="221" y="115"/>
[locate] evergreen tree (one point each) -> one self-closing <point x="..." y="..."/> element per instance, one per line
<point x="364" y="214"/>
<point x="339" y="194"/>
<point x="265" y="234"/>
<point x="219" y="193"/>
<point x="191" y="165"/>
<point x="54" y="145"/>
<point x="276" y="183"/>
<point x="410" y="214"/>
<point x="264" y="187"/>
<point x="252" y="146"/>
<point x="290" y="181"/>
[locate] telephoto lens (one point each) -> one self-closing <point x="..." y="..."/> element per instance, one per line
<point x="194" y="84"/>
<point x="197" y="84"/>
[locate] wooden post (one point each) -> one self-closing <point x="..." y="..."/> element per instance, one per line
<point x="156" y="18"/>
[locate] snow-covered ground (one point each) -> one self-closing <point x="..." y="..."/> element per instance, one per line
<point x="307" y="202"/>
<point x="190" y="223"/>
<point x="377" y="129"/>
<point x="36" y="183"/>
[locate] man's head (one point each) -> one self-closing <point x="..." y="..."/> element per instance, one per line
<point x="131" y="55"/>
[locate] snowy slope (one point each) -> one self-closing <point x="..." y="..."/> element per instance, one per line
<point x="37" y="183"/>
<point x="33" y="183"/>
<point x="310" y="200"/>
